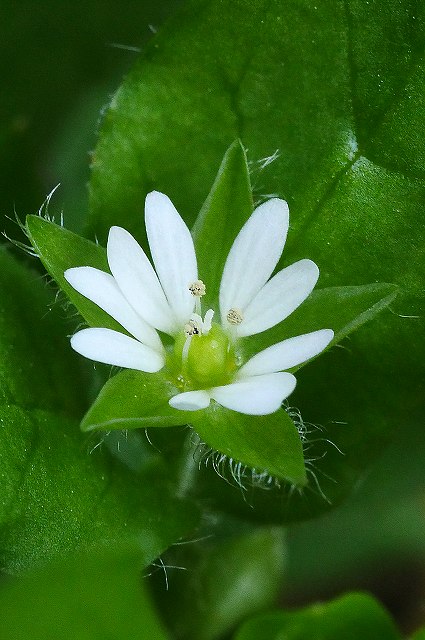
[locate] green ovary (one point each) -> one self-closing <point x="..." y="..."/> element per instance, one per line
<point x="210" y="361"/>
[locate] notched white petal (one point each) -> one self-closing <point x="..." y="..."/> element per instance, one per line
<point x="102" y="289"/>
<point x="257" y="396"/>
<point x="286" y="354"/>
<point x="173" y="253"/>
<point x="138" y="281"/>
<point x="253" y="255"/>
<point x="112" y="347"/>
<point x="279" y="297"/>
<point x="190" y="401"/>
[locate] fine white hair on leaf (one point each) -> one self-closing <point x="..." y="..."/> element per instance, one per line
<point x="124" y="47"/>
<point x="98" y="445"/>
<point x="159" y="565"/>
<point x="311" y="471"/>
<point x="43" y="210"/>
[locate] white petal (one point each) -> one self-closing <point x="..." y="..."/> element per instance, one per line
<point x="138" y="281"/>
<point x="287" y="354"/>
<point x="101" y="288"/>
<point x="256" y="396"/>
<point x="190" y="401"/>
<point x="112" y="347"/>
<point x="173" y="253"/>
<point x="254" y="255"/>
<point x="279" y="298"/>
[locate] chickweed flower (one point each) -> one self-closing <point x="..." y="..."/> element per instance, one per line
<point x="150" y="300"/>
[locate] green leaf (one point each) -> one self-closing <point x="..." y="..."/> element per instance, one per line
<point x="224" y="212"/>
<point x="61" y="492"/>
<point x="217" y="92"/>
<point x="59" y="250"/>
<point x="37" y="367"/>
<point x="230" y="577"/>
<point x="387" y="46"/>
<point x="89" y="596"/>
<point x="419" y="635"/>
<point x="350" y="617"/>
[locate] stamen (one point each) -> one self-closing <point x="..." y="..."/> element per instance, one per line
<point x="234" y="316"/>
<point x="192" y="328"/>
<point x="197" y="288"/>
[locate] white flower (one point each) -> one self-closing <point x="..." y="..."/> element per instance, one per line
<point x="144" y="300"/>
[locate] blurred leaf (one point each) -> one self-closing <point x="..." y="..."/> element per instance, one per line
<point x="86" y="597"/>
<point x="383" y="521"/>
<point x="350" y="617"/>
<point x="229" y="578"/>
<point x="96" y="46"/>
<point x="419" y="635"/>
<point x="57" y="497"/>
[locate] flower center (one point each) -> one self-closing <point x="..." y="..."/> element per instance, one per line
<point x="206" y="359"/>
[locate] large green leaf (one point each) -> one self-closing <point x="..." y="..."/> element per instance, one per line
<point x="55" y="496"/>
<point x="88" y="596"/>
<point x="336" y="89"/>
<point x="194" y="91"/>
<point x="313" y="99"/>
<point x="58" y="497"/>
<point x="350" y="617"/>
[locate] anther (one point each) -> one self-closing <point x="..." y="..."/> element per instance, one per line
<point x="234" y="316"/>
<point x="191" y="329"/>
<point x="197" y="289"/>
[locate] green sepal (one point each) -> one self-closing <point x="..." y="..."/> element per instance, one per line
<point x="133" y="399"/>
<point x="59" y="250"/>
<point x="269" y="443"/>
<point x="224" y="212"/>
<point x="343" y="309"/>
